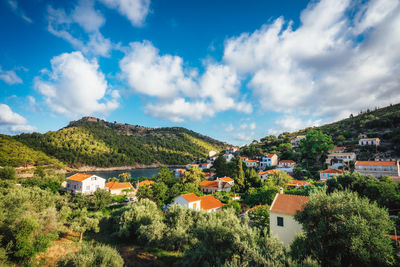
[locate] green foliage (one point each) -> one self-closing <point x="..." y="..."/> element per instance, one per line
<point x="92" y="255"/>
<point x="238" y="174"/>
<point x="194" y="176"/>
<point x="259" y="217"/>
<point x="252" y="178"/>
<point x="315" y="146"/>
<point x="108" y="144"/>
<point x="165" y="175"/>
<point x="261" y="196"/>
<point x="101" y="199"/>
<point x="235" y="205"/>
<point x="279" y="178"/>
<point x="221" y="167"/>
<point x="8" y="173"/>
<point x="157" y="192"/>
<point x="342" y="229"/>
<point x="82" y="221"/>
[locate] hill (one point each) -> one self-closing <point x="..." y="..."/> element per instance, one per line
<point x="383" y="123"/>
<point x="94" y="142"/>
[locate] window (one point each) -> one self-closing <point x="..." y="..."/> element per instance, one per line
<point x="280" y="221"/>
<point x="68" y="185"/>
<point x="74" y="186"/>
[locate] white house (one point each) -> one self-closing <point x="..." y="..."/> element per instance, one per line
<point x="207" y="203"/>
<point x="268" y="160"/>
<point x="85" y="183"/>
<point x="337" y="149"/>
<point x="329" y="173"/>
<point x="344" y="157"/>
<point x="369" y="142"/>
<point x="296" y="141"/>
<point x="281" y="216"/>
<point x="231" y="149"/>
<point x="228" y="157"/>
<point x="251" y="163"/>
<point x="378" y="168"/>
<point x="264" y="174"/>
<point x="223" y="184"/>
<point x="286" y="165"/>
<point x="205" y="166"/>
<point x="179" y="172"/>
<point x="117" y="188"/>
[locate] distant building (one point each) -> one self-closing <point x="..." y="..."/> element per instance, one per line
<point x="212" y="153"/>
<point x="378" y="168"/>
<point x="228" y="157"/>
<point x="369" y="142"/>
<point x="84" y="183"/>
<point x="207" y="203"/>
<point x="337" y="149"/>
<point x="244" y="159"/>
<point x="117" y="188"/>
<point x="287" y="165"/>
<point x="144" y="183"/>
<point x="329" y="173"/>
<point x="281" y="216"/>
<point x="213" y="158"/>
<point x="205" y="166"/>
<point x="296" y="141"/>
<point x="297" y="184"/>
<point x="179" y="172"/>
<point x="268" y="160"/>
<point x="342" y="157"/>
<point x="231" y="149"/>
<point x="251" y="163"/>
<point x="223" y="184"/>
<point x="264" y="174"/>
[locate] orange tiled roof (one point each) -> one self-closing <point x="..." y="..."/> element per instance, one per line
<point x="377" y="163"/>
<point x="297" y="183"/>
<point x="268" y="172"/>
<point x="146" y="182"/>
<point x="287" y="161"/>
<point x="256" y="207"/>
<point x="79" y="177"/>
<point x="269" y="155"/>
<point x="226" y="179"/>
<point x="116" y="185"/>
<point x="206" y="183"/>
<point x="337" y="148"/>
<point x="209" y="202"/>
<point x="331" y="171"/>
<point x="252" y="160"/>
<point x="288" y="204"/>
<point x="190" y="197"/>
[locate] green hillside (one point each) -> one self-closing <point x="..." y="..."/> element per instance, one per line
<point x="14" y="153"/>
<point x="95" y="142"/>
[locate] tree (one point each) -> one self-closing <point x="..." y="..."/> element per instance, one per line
<point x="165" y="175"/>
<point x="252" y="178"/>
<point x="125" y="176"/>
<point x="259" y="217"/>
<point x="221" y="167"/>
<point x="39" y="172"/>
<point x="315" y="146"/>
<point x="342" y="229"/>
<point x="235" y="205"/>
<point x="8" y="173"/>
<point x="113" y="179"/>
<point x="238" y="174"/>
<point x="101" y="199"/>
<point x="279" y="178"/>
<point x="194" y="175"/>
<point x="82" y="221"/>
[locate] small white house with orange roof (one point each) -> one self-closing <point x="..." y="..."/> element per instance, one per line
<point x="264" y="174"/>
<point x="281" y="216"/>
<point x="117" y="188"/>
<point x="268" y="160"/>
<point x="297" y="184"/>
<point x="286" y="165"/>
<point x="179" y="172"/>
<point x="228" y="157"/>
<point x="252" y="163"/>
<point x="223" y="184"/>
<point x="378" y="168"/>
<point x="205" y="166"/>
<point x="329" y="173"/>
<point x="144" y="183"/>
<point x="84" y="183"/>
<point x="207" y="203"/>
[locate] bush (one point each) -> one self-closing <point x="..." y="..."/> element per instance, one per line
<point x="93" y="255"/>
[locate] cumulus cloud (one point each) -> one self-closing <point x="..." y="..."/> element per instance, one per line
<point x="180" y="93"/>
<point x="135" y="10"/>
<point x="291" y="123"/>
<point x="9" y="77"/>
<point x="84" y="14"/>
<point x="342" y="58"/>
<point x="15" y="122"/>
<point x="247" y="126"/>
<point x="75" y="87"/>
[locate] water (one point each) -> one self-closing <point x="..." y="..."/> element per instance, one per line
<point x="136" y="173"/>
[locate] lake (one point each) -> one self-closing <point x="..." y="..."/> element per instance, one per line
<point x="136" y="173"/>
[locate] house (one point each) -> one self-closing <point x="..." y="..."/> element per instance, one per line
<point x="244" y="159"/>
<point x="212" y="153"/>
<point x="251" y="163"/>
<point x="296" y="141"/>
<point x="264" y="174"/>
<point x="369" y="142"/>
<point x="228" y="157"/>
<point x="337" y="149"/>
<point x="213" y="158"/>
<point x="329" y="173"/>
<point x="145" y="182"/>
<point x="84" y="183"/>
<point x="223" y="184"/>
<point x="231" y="149"/>
<point x="207" y="203"/>
<point x="117" y="188"/>
<point x="281" y="216"/>
<point x="343" y="157"/>
<point x="207" y="175"/>
<point x="205" y="166"/>
<point x="268" y="160"/>
<point x="297" y="184"/>
<point x="235" y="197"/>
<point x="286" y="165"/>
<point x="378" y="168"/>
<point x="179" y="172"/>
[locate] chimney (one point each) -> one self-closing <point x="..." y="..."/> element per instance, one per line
<point x="281" y="191"/>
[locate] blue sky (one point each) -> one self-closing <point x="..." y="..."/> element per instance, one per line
<point x="233" y="70"/>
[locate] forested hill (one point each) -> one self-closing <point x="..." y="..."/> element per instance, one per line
<point x="383" y="123"/>
<point x="94" y="142"/>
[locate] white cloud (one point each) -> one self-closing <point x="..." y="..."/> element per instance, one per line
<point x="290" y="123"/>
<point x="86" y="16"/>
<point x="18" y="11"/>
<point x="245" y="126"/>
<point x="15" y="122"/>
<point x="76" y="87"/>
<point x="180" y="93"/>
<point x="229" y="128"/>
<point x="243" y="137"/>
<point x="135" y="10"/>
<point x="9" y="77"/>
<point x="333" y="64"/>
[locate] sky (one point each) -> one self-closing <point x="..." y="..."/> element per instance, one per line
<point x="234" y="70"/>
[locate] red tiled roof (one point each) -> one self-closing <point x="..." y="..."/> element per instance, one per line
<point x="146" y="182"/>
<point x="377" y="163"/>
<point x="190" y="197"/>
<point x="79" y="177"/>
<point x="337" y="148"/>
<point x="209" y="202"/>
<point x="268" y="172"/>
<point x="256" y="207"/>
<point x="287" y="161"/>
<point x="331" y="171"/>
<point x="289" y="204"/>
<point x="298" y="183"/>
<point x="395" y="238"/>
<point x="226" y="179"/>
<point x="116" y="185"/>
<point x="251" y="160"/>
<point x="269" y="155"/>
<point x="206" y="183"/>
